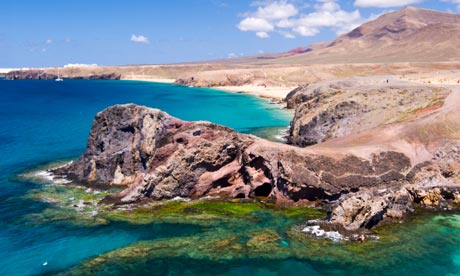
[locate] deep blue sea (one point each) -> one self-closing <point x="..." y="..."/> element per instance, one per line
<point x="42" y="122"/>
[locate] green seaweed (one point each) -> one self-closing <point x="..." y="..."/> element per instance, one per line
<point x="240" y="232"/>
<point x="250" y="242"/>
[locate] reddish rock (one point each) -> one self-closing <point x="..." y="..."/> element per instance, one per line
<point x="154" y="155"/>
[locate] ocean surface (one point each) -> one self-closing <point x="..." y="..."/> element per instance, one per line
<point x="43" y="123"/>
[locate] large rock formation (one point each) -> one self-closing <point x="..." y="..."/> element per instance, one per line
<point x="153" y="155"/>
<point x="159" y="156"/>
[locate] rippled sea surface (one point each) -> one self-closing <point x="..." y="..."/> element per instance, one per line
<point x="48" y="228"/>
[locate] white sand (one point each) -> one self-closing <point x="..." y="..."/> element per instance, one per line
<point x="152" y="80"/>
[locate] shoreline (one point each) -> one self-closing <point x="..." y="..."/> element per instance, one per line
<point x="276" y="93"/>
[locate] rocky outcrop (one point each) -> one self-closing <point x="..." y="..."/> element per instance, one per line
<point x="155" y="156"/>
<point x="333" y="109"/>
<point x="330" y="123"/>
<point x="42" y="75"/>
<point x="29" y="75"/>
<point x="160" y="157"/>
<point x="370" y="207"/>
<point x="367" y="208"/>
<point x="108" y="76"/>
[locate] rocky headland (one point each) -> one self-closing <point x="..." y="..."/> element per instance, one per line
<point x="377" y="153"/>
<point x="44" y="75"/>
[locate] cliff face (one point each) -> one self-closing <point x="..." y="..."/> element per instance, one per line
<point x="153" y="155"/>
<point x="43" y="75"/>
<point x="332" y="109"/>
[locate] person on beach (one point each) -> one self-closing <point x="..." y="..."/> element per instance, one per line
<point x="362" y="238"/>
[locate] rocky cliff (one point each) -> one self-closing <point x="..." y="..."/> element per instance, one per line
<point x="338" y="108"/>
<point x="43" y="75"/>
<point x="155" y="156"/>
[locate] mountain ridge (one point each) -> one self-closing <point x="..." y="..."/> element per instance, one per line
<point x="408" y="35"/>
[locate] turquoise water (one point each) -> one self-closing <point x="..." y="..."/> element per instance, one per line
<point x="45" y="121"/>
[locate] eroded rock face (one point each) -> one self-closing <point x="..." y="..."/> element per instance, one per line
<point x="153" y="155"/>
<point x="334" y="109"/>
<point x="148" y="149"/>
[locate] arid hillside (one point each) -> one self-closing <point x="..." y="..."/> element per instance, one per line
<point x="408" y="35"/>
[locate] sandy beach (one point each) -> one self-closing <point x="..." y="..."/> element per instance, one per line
<point x="272" y="92"/>
<point x="161" y="80"/>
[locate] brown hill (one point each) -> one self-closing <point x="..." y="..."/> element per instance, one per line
<point x="411" y="34"/>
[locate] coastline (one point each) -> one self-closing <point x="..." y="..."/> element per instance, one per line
<point x="276" y="93"/>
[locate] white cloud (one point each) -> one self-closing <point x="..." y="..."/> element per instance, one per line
<point x="286" y="19"/>
<point x="287" y="35"/>
<point x="276" y="10"/>
<point x="306" y="31"/>
<point x="254" y="24"/>
<point x="285" y="23"/>
<point x="262" y="35"/>
<point x="327" y="6"/>
<point x="49" y="41"/>
<point x="139" y="39"/>
<point x="267" y="16"/>
<point x="340" y="21"/>
<point x="385" y="3"/>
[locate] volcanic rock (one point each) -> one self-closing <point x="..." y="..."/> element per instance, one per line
<point x="155" y="156"/>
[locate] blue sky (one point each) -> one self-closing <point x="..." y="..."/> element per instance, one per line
<point x="116" y="32"/>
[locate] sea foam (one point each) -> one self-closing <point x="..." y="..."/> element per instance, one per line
<point x="316" y="231"/>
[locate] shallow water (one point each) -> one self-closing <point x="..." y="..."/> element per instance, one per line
<point x="45" y="121"/>
<point x="50" y="228"/>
